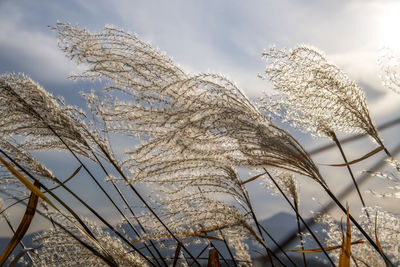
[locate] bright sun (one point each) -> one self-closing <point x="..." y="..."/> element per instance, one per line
<point x="390" y="26"/>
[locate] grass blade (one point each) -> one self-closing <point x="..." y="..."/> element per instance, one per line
<point x="31" y="187"/>
<point x="316" y="250"/>
<point x="253" y="178"/>
<point x="177" y="251"/>
<point x="23" y="225"/>
<point x="181" y="235"/>
<point x="369" y="154"/>
<point x="377" y="239"/>
<point x="35" y="190"/>
<point x="19" y="255"/>
<point x="213" y="259"/>
<point x="344" y="259"/>
<point x="376" y="233"/>
<point x="69" y="178"/>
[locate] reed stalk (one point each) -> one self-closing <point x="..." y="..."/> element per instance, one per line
<point x="301" y="218"/>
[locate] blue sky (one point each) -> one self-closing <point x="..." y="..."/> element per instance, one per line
<point x="224" y="36"/>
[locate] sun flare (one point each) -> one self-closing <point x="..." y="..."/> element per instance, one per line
<point x="390" y="23"/>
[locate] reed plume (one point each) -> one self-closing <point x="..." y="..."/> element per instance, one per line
<point x="315" y="96"/>
<point x="58" y="248"/>
<point x="27" y="110"/>
<point x="380" y="223"/>
<point x="390" y="177"/>
<point x="195" y="131"/>
<point x="176" y="113"/>
<point x="389" y="65"/>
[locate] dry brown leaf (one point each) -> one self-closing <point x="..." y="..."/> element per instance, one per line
<point x="26" y="182"/>
<point x="177" y="251"/>
<point x="23" y="225"/>
<point x="253" y="178"/>
<point x="345" y="253"/>
<point x="369" y="154"/>
<point x="326" y="249"/>
<point x="213" y="259"/>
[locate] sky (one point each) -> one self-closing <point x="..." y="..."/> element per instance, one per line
<point x="226" y="37"/>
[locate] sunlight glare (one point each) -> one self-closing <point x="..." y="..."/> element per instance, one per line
<point x="390" y="23"/>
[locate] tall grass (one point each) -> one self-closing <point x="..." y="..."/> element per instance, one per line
<point x="195" y="132"/>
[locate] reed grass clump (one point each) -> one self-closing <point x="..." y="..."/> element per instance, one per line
<point x="315" y="95"/>
<point x="193" y="133"/>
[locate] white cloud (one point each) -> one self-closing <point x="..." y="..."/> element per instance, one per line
<point x="30" y="50"/>
<point x="228" y="37"/>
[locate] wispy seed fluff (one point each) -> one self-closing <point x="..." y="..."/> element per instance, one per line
<point x="389" y="64"/>
<point x="27" y="110"/>
<point x="203" y="115"/>
<point x="314" y="95"/>
<point x="193" y="215"/>
<point x="287" y="182"/>
<point x="24" y="158"/>
<point x="57" y="248"/>
<point x="388" y="233"/>
<point x="390" y="177"/>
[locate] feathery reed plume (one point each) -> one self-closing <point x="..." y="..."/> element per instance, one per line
<point x="192" y="198"/>
<point x="194" y="216"/>
<point x="25" y="251"/>
<point x="51" y="125"/>
<point x="277" y="186"/>
<point x="390" y="177"/>
<point x="46" y="122"/>
<point x="387" y="232"/>
<point x="174" y="112"/>
<point x="7" y="179"/>
<point x="389" y="64"/>
<point x="58" y="248"/>
<point x="17" y="152"/>
<point x="203" y="174"/>
<point x="194" y="131"/>
<point x="315" y="96"/>
<point x="54" y="217"/>
<point x="286" y="182"/>
<point x="27" y="110"/>
<point x="184" y="121"/>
